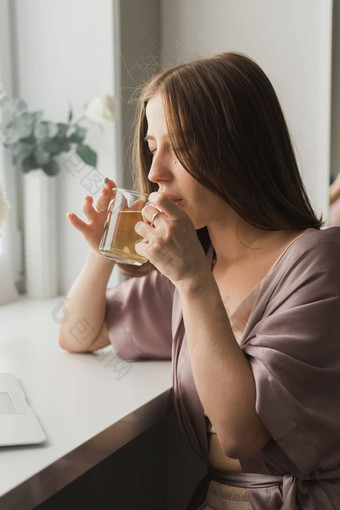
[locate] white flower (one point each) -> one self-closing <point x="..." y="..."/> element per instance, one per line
<point x="4" y="206"/>
<point x="101" y="109"/>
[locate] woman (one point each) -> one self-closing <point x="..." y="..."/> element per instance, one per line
<point x="334" y="202"/>
<point x="245" y="297"/>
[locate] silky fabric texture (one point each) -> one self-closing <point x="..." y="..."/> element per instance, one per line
<point x="224" y="497"/>
<point x="292" y="342"/>
<point x="239" y="318"/>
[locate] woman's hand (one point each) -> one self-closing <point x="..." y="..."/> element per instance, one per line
<point x="93" y="230"/>
<point x="171" y="243"/>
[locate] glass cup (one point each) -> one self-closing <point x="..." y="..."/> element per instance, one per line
<point x="119" y="236"/>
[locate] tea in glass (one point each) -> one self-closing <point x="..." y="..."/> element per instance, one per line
<point x="119" y="237"/>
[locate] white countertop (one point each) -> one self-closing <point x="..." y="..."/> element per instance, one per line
<point x="76" y="397"/>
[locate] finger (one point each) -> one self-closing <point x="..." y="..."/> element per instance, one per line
<point x="141" y="248"/>
<point x="150" y="212"/>
<point x="138" y="205"/>
<point x="102" y="202"/>
<point x="88" y="208"/>
<point x="77" y="222"/>
<point x="109" y="183"/>
<point x="144" y="230"/>
<point x="164" y="203"/>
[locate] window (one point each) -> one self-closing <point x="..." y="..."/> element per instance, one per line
<point x="9" y="249"/>
<point x="8" y="291"/>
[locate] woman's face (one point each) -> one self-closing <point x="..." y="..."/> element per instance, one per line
<point x="166" y="171"/>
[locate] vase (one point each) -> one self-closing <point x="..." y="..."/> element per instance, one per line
<point x="40" y="234"/>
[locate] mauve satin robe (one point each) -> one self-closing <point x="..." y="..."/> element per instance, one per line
<point x="292" y="342"/>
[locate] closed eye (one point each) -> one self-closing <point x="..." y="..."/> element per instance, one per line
<point x="151" y="151"/>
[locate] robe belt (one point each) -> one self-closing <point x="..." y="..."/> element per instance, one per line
<point x="288" y="481"/>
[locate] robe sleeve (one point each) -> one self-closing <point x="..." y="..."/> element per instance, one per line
<point x="294" y="353"/>
<point x="138" y="317"/>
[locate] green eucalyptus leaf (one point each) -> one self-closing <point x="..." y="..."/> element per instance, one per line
<point x="87" y="155"/>
<point x="19" y="105"/>
<point x="62" y="129"/>
<point x="29" y="163"/>
<point x="41" y="131"/>
<point x="53" y="146"/>
<point x="44" y="130"/>
<point x="42" y="157"/>
<point x="29" y="139"/>
<point x="65" y="145"/>
<point x="37" y="116"/>
<point x="26" y="146"/>
<point x="25" y="124"/>
<point x="78" y="135"/>
<point x="17" y="159"/>
<point x="52" y="129"/>
<point x="26" y="118"/>
<point x="20" y="151"/>
<point x="9" y="135"/>
<point x="51" y="168"/>
<point x="70" y="114"/>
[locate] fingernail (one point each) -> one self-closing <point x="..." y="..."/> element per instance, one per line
<point x="106" y="179"/>
<point x="68" y="214"/>
<point x="86" y="196"/>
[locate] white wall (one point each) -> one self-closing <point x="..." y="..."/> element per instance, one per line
<point x="65" y="54"/>
<point x="291" y="41"/>
<point x="139" y="49"/>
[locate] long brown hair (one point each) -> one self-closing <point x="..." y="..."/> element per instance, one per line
<point x="228" y="130"/>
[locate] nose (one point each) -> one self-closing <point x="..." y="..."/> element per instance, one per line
<point x="160" y="169"/>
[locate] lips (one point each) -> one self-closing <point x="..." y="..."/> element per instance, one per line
<point x="174" y="198"/>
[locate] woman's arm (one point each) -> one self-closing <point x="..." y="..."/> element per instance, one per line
<point x="83" y="328"/>
<point x="85" y="306"/>
<point x="222" y="374"/>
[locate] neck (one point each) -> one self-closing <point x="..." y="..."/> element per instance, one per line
<point x="234" y="240"/>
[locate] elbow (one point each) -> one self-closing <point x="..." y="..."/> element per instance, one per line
<point x="237" y="450"/>
<point x="241" y="447"/>
<point x="65" y="345"/>
<point x="233" y="449"/>
<point x="62" y="339"/>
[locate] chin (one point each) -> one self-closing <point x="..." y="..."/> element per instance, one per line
<point x="198" y="224"/>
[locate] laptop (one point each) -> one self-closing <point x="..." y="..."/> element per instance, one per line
<point x="18" y="423"/>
